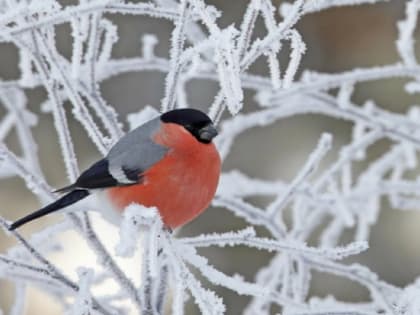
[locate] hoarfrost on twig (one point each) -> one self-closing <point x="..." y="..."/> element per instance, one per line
<point x="331" y="198"/>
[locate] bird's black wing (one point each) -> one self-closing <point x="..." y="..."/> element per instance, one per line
<point x="133" y="154"/>
<point x="99" y="176"/>
<point x="96" y="176"/>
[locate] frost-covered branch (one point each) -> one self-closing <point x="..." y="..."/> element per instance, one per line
<point x="326" y="197"/>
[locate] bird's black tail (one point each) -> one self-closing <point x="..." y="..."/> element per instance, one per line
<point x="64" y="201"/>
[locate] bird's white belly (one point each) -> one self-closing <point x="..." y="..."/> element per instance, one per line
<point x="102" y="204"/>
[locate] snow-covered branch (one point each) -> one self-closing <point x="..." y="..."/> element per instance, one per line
<point x="326" y="196"/>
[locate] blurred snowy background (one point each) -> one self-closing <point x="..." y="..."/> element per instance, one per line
<point x="337" y="40"/>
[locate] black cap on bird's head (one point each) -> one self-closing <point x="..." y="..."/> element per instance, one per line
<point x="195" y="121"/>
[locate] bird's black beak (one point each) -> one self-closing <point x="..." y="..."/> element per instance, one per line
<point x="207" y="133"/>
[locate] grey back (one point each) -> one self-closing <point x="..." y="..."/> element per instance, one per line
<point x="135" y="152"/>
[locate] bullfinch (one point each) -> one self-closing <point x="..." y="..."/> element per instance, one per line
<point x="169" y="162"/>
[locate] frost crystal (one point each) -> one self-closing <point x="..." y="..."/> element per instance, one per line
<point x="326" y="196"/>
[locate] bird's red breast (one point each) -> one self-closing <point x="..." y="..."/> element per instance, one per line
<point x="181" y="185"/>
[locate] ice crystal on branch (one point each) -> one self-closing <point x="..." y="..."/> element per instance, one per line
<point x="330" y="199"/>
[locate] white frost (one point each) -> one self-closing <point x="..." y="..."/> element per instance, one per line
<point x="325" y="197"/>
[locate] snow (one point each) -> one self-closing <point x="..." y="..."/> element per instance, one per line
<point x="331" y="200"/>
